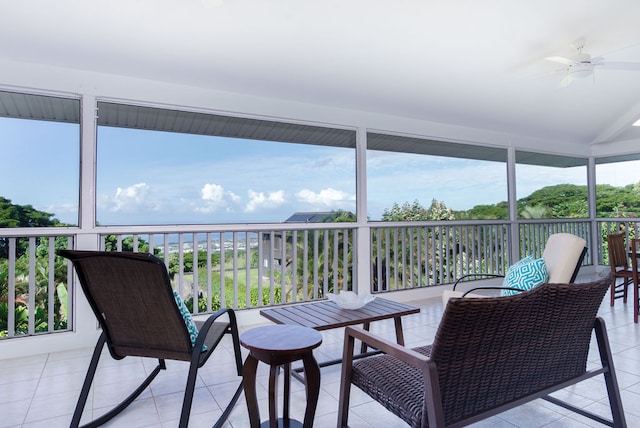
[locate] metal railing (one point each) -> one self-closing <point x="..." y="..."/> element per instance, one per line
<point x="630" y="227"/>
<point x="425" y="254"/>
<point x="34" y="285"/>
<point x="248" y="269"/>
<point x="270" y="265"/>
<point x="534" y="234"/>
<point x="435" y="253"/>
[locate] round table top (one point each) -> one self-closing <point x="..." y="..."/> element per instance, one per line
<point x="281" y="339"/>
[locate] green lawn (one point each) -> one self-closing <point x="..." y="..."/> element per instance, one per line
<point x="229" y="288"/>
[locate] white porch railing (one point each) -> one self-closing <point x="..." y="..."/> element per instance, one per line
<point x="270" y="265"/>
<point x="35" y="285"/>
<point x="437" y="253"/>
<point x="248" y="269"/>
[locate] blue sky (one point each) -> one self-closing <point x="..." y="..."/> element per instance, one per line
<point x="40" y="166"/>
<point x="149" y="177"/>
<point x="179" y="178"/>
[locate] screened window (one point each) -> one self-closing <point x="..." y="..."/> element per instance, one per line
<point x="159" y="166"/>
<point x="419" y="179"/>
<point x="550" y="186"/>
<point x="40" y="146"/>
<point x="618" y="186"/>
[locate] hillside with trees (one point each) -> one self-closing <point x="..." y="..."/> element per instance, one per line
<point x="564" y="201"/>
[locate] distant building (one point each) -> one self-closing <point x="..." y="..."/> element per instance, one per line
<point x="299" y="217"/>
<point x="311" y="217"/>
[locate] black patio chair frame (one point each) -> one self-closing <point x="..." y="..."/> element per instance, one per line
<point x="480" y="276"/>
<point x="131" y="296"/>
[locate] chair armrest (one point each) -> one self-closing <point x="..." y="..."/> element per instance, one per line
<point x="204" y="328"/>
<point x="204" y="331"/>
<point x="471" y="276"/>
<point x="402" y="353"/>
<point x="432" y="396"/>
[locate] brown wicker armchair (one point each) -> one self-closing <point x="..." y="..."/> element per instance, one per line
<point x="489" y="355"/>
<point x="132" y="298"/>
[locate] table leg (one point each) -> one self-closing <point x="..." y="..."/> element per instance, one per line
<point x="312" y="376"/>
<point x="363" y="346"/>
<point x="399" y="333"/>
<point x="273" y="396"/>
<point x="287" y="393"/>
<point x="249" y="382"/>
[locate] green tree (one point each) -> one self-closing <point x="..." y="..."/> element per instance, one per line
<point x="111" y="244"/>
<point x="340" y="216"/>
<point x="530" y="212"/>
<point x="415" y="212"/>
<point x="558" y="201"/>
<point x="618" y="201"/>
<point x="409" y="264"/>
<point x="499" y="211"/>
<point x="12" y="215"/>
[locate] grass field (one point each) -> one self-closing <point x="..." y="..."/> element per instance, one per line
<point x="230" y="297"/>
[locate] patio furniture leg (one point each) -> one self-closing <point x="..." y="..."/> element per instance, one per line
<point x="274" y="371"/>
<point x="249" y="375"/>
<point x="312" y="375"/>
<point x="399" y="332"/>
<point x="611" y="381"/>
<point x="363" y="346"/>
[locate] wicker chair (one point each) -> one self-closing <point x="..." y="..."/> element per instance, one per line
<point x="132" y="298"/>
<point x="489" y="355"/>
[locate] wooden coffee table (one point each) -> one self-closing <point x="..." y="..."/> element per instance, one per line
<point x="326" y="315"/>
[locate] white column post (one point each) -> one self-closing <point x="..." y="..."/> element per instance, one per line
<point x="363" y="247"/>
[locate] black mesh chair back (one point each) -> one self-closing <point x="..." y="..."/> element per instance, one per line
<point x="132" y="298"/>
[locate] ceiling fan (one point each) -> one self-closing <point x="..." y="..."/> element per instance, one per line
<point x="582" y="65"/>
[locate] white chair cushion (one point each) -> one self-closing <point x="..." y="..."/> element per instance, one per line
<point x="561" y="255"/>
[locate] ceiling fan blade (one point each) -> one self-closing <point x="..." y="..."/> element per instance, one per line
<point x="620" y="65"/>
<point x="561" y="60"/>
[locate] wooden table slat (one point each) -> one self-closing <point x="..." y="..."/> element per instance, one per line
<point x="326" y="315"/>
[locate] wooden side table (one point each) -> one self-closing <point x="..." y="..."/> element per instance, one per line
<point x="279" y="346"/>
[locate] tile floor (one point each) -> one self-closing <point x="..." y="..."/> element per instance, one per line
<point x="41" y="390"/>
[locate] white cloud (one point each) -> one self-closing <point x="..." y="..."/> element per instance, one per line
<point x="258" y="200"/>
<point x="215" y="197"/>
<point x="329" y="197"/>
<point x="133" y="197"/>
<point x="212" y="193"/>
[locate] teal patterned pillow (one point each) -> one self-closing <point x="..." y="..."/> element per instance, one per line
<point x="188" y="320"/>
<point x="525" y="274"/>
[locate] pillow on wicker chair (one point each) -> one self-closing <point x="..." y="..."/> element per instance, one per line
<point x="524" y="275"/>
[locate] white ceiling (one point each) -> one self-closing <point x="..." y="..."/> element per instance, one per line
<point x="466" y="62"/>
